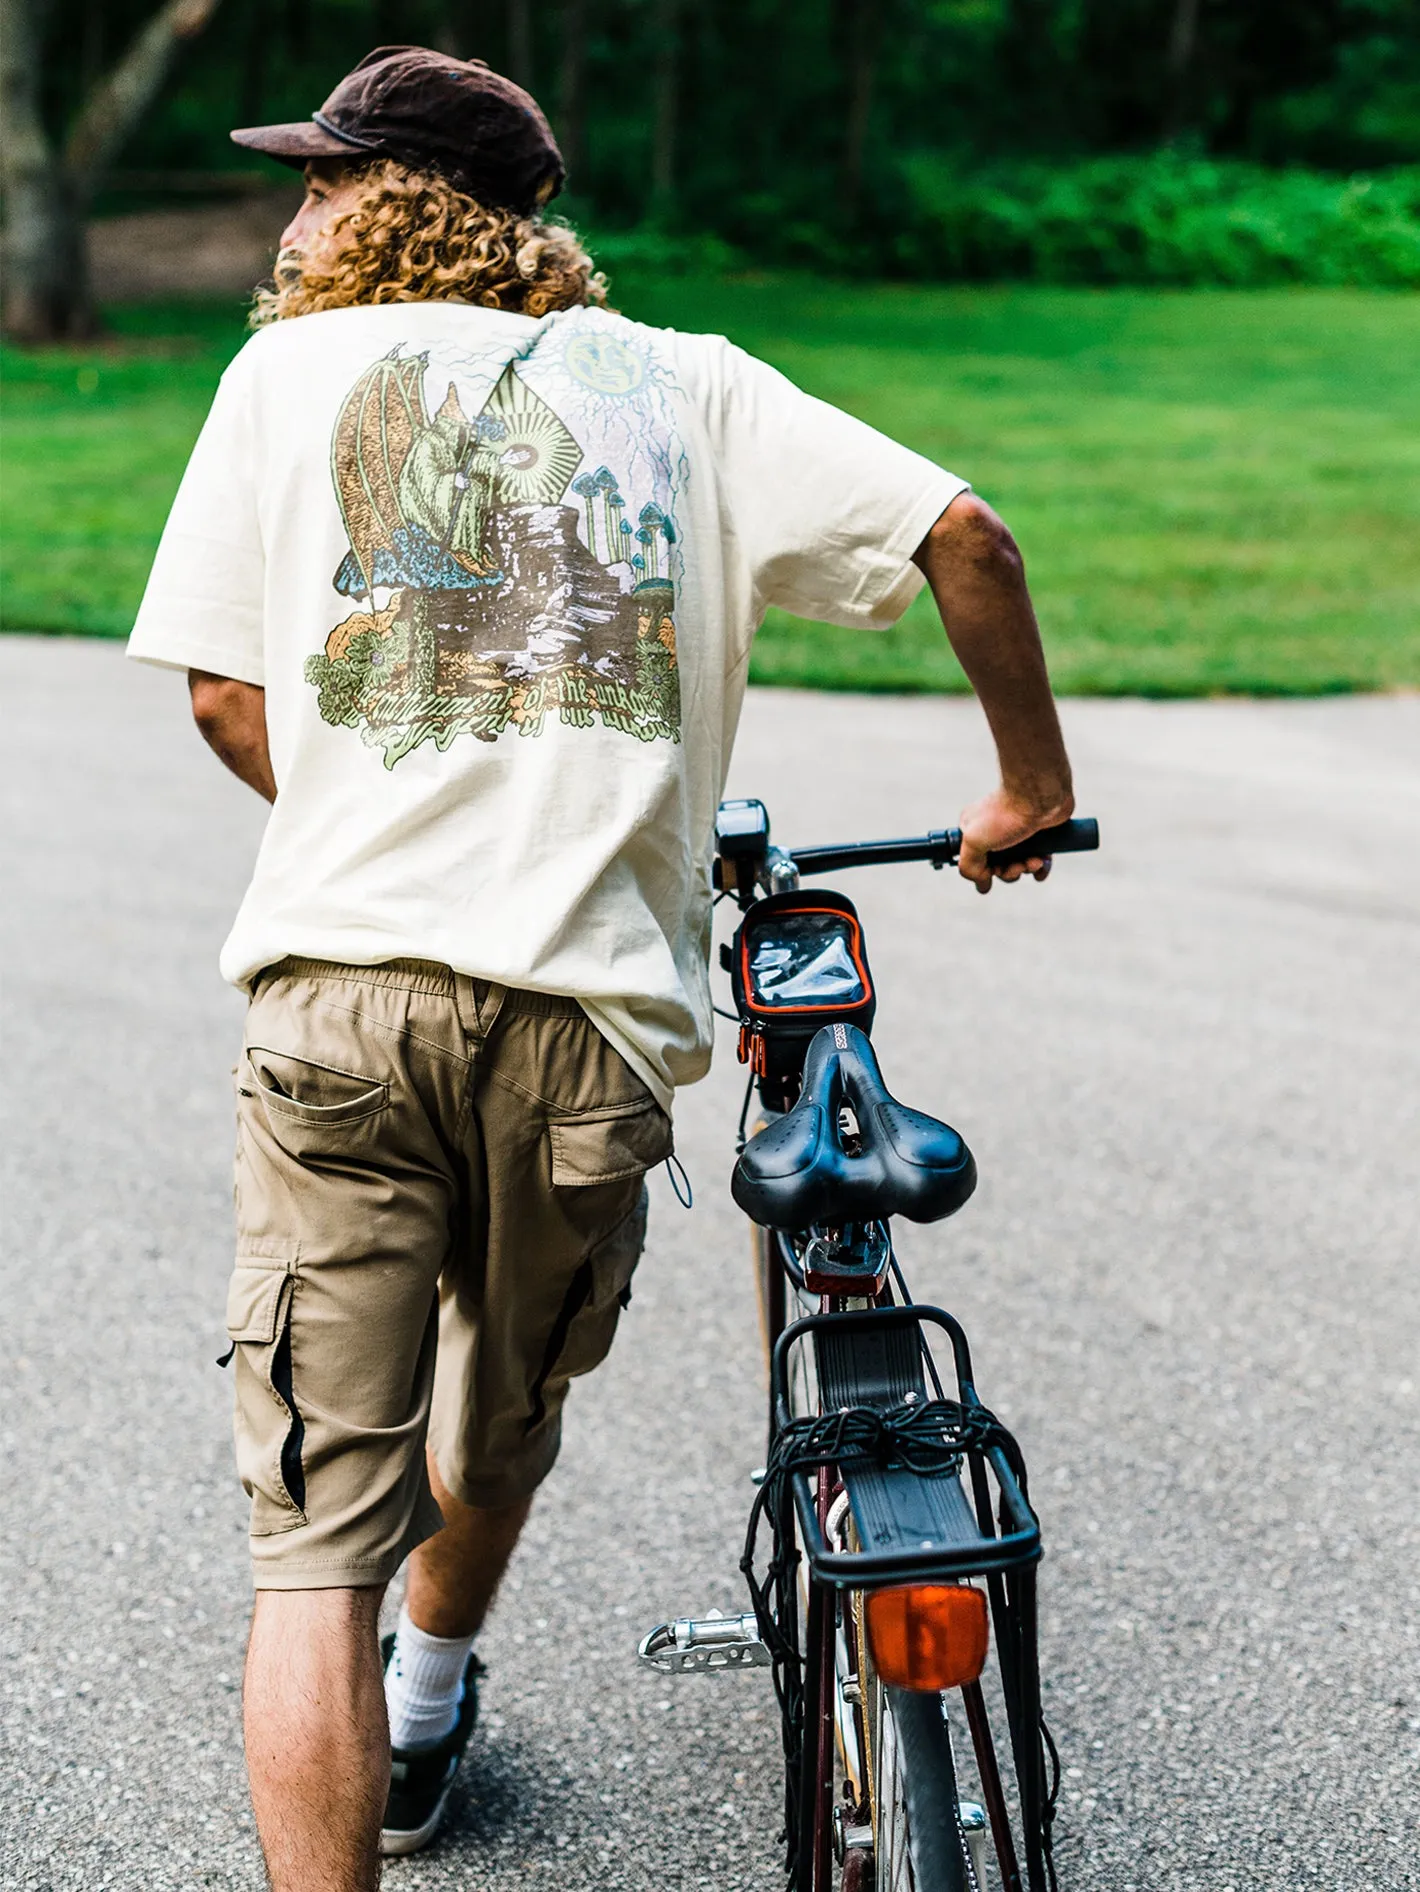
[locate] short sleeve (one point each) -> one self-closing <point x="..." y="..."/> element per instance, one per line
<point x="203" y="606"/>
<point x="827" y="510"/>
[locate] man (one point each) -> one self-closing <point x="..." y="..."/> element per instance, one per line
<point x="418" y="619"/>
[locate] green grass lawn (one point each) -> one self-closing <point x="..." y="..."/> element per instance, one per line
<point x="1215" y="491"/>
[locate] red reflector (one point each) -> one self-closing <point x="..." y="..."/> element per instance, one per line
<point x="927" y="1636"/>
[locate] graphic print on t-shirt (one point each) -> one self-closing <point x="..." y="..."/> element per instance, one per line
<point x="493" y="583"/>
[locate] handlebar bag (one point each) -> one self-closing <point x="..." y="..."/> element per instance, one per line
<point x="798" y="963"/>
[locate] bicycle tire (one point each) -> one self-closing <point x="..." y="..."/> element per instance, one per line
<point x="769" y="1287"/>
<point x="917" y="1837"/>
<point x="925" y="1811"/>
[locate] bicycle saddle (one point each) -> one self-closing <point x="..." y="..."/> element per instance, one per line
<point x="796" y="1172"/>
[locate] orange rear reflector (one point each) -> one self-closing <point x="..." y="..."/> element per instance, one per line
<point x="927" y="1636"/>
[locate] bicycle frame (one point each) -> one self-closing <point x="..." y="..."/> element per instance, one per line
<point x="873" y="1355"/>
<point x="870" y="1350"/>
<point x="878" y="1480"/>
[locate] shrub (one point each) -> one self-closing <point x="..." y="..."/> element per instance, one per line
<point x="1164" y="218"/>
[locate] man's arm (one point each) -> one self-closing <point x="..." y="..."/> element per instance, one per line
<point x="978" y="579"/>
<point x="232" y="718"/>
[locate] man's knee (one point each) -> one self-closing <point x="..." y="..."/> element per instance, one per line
<point x="305" y="1614"/>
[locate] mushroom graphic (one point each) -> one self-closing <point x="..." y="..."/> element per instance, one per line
<point x="586" y="488"/>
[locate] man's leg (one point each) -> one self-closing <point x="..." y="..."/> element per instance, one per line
<point x="316" y="1737"/>
<point x="453" y="1575"/>
<point x="452" y="1580"/>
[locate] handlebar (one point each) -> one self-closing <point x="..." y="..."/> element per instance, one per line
<point x="943" y="849"/>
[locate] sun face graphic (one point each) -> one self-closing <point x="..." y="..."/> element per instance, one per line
<point x="604" y="365"/>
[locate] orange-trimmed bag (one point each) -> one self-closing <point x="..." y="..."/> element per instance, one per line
<point x="798" y="962"/>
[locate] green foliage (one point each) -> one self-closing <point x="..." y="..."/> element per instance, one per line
<point x="1215" y="491"/>
<point x="957" y="101"/>
<point x="1164" y="218"/>
<point x="652" y="251"/>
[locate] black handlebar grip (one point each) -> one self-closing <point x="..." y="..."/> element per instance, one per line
<point x="1070" y="837"/>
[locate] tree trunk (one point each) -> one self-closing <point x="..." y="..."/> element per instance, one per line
<point x="474" y="29"/>
<point x="91" y="44"/>
<point x="864" y="20"/>
<point x="572" y="85"/>
<point x="258" y="44"/>
<point x="666" y="27"/>
<point x="520" y="49"/>
<point x="447" y="37"/>
<point x="1183" y="44"/>
<point x="113" y="110"/>
<point x="1029" y="67"/>
<point x="298" y="28"/>
<point x="46" y="287"/>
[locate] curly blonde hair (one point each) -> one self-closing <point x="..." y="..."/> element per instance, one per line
<point x="413" y="237"/>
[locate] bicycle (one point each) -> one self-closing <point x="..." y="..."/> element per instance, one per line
<point x="901" y="1537"/>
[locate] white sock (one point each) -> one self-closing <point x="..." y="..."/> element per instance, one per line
<point x="424" y="1684"/>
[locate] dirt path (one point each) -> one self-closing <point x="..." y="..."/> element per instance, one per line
<point x="208" y="250"/>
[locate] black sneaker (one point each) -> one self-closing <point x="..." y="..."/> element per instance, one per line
<point x="420" y="1778"/>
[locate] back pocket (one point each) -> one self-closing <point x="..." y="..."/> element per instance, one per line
<point x="310" y="1093"/>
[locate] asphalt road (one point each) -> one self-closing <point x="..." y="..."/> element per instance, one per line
<point x="1189" y="1069"/>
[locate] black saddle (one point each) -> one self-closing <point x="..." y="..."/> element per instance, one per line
<point x="796" y="1172"/>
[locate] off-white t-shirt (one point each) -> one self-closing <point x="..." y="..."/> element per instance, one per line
<point x="499" y="578"/>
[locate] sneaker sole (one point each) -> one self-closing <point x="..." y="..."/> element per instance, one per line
<point x="393" y="1841"/>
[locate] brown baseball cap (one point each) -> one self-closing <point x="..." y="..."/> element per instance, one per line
<point x="434" y="113"/>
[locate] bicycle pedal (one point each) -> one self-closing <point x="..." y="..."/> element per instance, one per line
<point x="706" y="1645"/>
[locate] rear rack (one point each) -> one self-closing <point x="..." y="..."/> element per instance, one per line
<point x="913" y="1527"/>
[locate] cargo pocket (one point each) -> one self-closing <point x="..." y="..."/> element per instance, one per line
<point x="585" y="1327"/>
<point x="270" y="1432"/>
<point x="609" y="1146"/>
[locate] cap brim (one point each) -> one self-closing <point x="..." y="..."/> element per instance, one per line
<point x="296" y="144"/>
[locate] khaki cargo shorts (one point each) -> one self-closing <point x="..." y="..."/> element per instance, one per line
<point x="440" y="1201"/>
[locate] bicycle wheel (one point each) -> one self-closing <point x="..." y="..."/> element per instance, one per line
<point x="770" y="1288"/>
<point x="917" y="1838"/>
